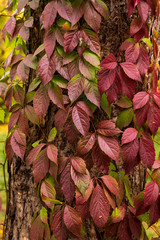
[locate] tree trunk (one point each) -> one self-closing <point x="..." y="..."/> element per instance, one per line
<point x="22" y="198"/>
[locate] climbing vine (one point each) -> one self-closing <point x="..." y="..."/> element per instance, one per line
<point x="68" y="73"/>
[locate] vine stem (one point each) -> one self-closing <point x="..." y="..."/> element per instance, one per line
<point x="6" y="190"/>
<point x="156" y="142"/>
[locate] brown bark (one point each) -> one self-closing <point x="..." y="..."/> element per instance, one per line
<point x="22" y="202"/>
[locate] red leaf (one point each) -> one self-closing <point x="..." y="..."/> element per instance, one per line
<point x="49" y="42"/>
<point x="78" y="11"/>
<point x="34" y="4"/>
<point x="135" y="26"/>
<point x="127" y="43"/>
<point x="154" y="213"/>
<point x="59" y="37"/>
<point x="70" y="129"/>
<point x="72" y="221"/>
<point x="49" y="14"/>
<point x="131" y="71"/>
<point x="124" y="232"/>
<point x="141" y="115"/>
<point x="65" y="10"/>
<point x="52" y="153"/>
<point x="111" y="184"/>
<point x="34" y="153"/>
<point x="41" y="102"/>
<point x="136" y="3"/>
<point x="92" y="17"/>
<point x="80" y="199"/>
<point x="115" y="90"/>
<point x="24" y="33"/>
<point x="139" y="204"/>
<point x="108" y="128"/>
<point x="55" y="94"/>
<point x="78" y="164"/>
<point x="23" y="122"/>
<point x="40" y="166"/>
<point x="37" y="229"/>
<point x="60" y="68"/>
<point x="30" y="61"/>
<point x="75" y="87"/>
<point x="128" y="85"/>
<point x="87" y="70"/>
<point x="99" y="207"/>
<point x="47" y="190"/>
<point x="151" y="193"/>
<point x="9" y="150"/>
<point x="29" y="22"/>
<point x="81" y="180"/>
<point x="68" y="186"/>
<point x="101" y="160"/>
<point x="156" y="96"/>
<point x="147" y="152"/>
<point x="10" y="25"/>
<point x="135" y="226"/>
<point x="8" y="60"/>
<point x="21" y="4"/>
<point x="132" y="53"/>
<point x="91" y="39"/>
<point x="60" y="119"/>
<point x="31" y="114"/>
<point x="85" y="107"/>
<point x="110" y="62"/>
<point x="80" y="119"/>
<point x="13" y="120"/>
<point x="70" y="41"/>
<point x="19" y="94"/>
<point x="22" y="71"/>
<point x="85" y="144"/>
<point x="105" y="79"/>
<point x="58" y="227"/>
<point x="83" y="210"/>
<point x="92" y="93"/>
<point x="46" y="69"/>
<point x="143" y="10"/>
<point x="143" y="61"/>
<point x="109" y="146"/>
<point x="130" y="153"/>
<point x="16" y="58"/>
<point x="153" y="118"/>
<point x="18" y="143"/>
<point x="129" y="135"/>
<point x="140" y="100"/>
<point x="100" y="7"/>
<point x="118" y="214"/>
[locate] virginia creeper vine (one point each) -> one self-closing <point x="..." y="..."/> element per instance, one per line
<point x="69" y="74"/>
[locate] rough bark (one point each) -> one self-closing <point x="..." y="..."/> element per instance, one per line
<point x="22" y="201"/>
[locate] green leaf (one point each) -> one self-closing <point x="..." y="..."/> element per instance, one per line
<point x="60" y="81"/>
<point x="124" y="102"/>
<point x="2" y="114"/>
<point x="147" y="41"/>
<point x="52" y="134"/>
<point x="105" y="105"/>
<point x="92" y="58"/>
<point x="44" y="215"/>
<point x="125" y="118"/>
<point x="29" y="97"/>
<point x="57" y="202"/>
<point x="128" y="189"/>
<point x="36" y="143"/>
<point x="34" y="84"/>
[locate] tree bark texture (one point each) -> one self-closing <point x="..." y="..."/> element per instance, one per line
<point x="22" y="198"/>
